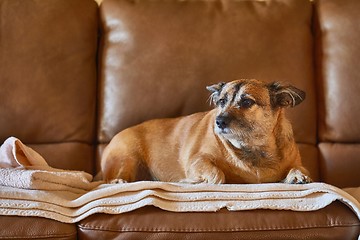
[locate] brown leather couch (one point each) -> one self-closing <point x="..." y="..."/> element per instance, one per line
<point x="72" y="74"/>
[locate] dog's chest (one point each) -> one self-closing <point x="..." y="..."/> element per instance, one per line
<point x="253" y="175"/>
<point x="251" y="167"/>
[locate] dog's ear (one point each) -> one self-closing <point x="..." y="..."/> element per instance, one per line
<point x="285" y="96"/>
<point x="215" y="91"/>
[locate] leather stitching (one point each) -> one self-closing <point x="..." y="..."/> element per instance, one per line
<point x="145" y="229"/>
<point x="35" y="236"/>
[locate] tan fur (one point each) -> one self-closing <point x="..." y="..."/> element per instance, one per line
<point x="257" y="144"/>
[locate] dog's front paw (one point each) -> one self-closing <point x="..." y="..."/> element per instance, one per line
<point x="117" y="181"/>
<point x="211" y="180"/>
<point x="205" y="173"/>
<point x="296" y="176"/>
<point x="215" y="176"/>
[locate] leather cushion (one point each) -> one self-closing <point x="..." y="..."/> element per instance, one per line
<point x="13" y="227"/>
<point x="48" y="74"/>
<point x="158" y="56"/>
<point x="338" y="54"/>
<point x="340" y="164"/>
<point x="48" y="70"/>
<point x="333" y="222"/>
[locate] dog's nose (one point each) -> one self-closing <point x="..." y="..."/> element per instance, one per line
<point x="222" y="122"/>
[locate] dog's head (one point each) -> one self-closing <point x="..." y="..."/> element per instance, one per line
<point x="249" y="109"/>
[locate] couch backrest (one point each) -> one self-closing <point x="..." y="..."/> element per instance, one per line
<point x="338" y="76"/>
<point x="48" y="78"/>
<point x="158" y="56"/>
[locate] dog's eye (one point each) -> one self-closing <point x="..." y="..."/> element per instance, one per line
<point x="246" y="103"/>
<point x="222" y="102"/>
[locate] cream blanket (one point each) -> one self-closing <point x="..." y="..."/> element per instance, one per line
<point x="29" y="187"/>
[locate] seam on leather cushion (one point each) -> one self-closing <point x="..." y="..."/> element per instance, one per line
<point x="164" y="229"/>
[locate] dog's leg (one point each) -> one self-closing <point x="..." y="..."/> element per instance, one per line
<point x="202" y="170"/>
<point x="117" y="168"/>
<point x="297" y="176"/>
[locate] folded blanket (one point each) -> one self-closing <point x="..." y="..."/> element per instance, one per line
<point x="69" y="205"/>
<point x="114" y="199"/>
<point x="22" y="167"/>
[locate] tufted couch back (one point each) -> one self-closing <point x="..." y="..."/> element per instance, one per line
<point x="79" y="73"/>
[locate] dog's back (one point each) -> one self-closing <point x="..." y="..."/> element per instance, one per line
<point x="156" y="145"/>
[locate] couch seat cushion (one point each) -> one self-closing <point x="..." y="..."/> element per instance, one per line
<point x="333" y="222"/>
<point x="14" y="227"/>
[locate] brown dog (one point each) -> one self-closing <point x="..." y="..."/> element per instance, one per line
<point x="245" y="139"/>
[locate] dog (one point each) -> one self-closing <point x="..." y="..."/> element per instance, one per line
<point x="246" y="138"/>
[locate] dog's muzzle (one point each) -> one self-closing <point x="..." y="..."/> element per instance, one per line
<point x="222" y="122"/>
